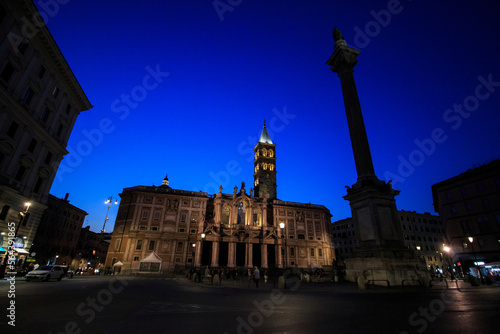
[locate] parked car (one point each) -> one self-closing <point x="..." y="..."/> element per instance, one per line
<point x="44" y="273"/>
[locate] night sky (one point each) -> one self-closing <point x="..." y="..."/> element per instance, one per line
<point x="183" y="87"/>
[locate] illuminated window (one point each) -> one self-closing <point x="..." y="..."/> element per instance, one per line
<point x="241" y="213"/>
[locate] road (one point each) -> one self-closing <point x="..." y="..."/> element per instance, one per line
<point x="107" y="304"/>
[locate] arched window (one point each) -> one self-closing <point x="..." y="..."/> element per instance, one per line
<point x="270" y="153"/>
<point x="225" y="215"/>
<point x="241" y="213"/>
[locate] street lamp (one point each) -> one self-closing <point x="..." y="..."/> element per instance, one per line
<point x="22" y="216"/>
<point x="203" y="235"/>
<point x="448" y="250"/>
<point x="282" y="227"/>
<point x="192" y="261"/>
<point x="471" y="240"/>
<point x="108" y="202"/>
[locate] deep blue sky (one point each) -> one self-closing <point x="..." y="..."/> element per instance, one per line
<point x="264" y="59"/>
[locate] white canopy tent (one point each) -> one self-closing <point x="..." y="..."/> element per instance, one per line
<point x="150" y="264"/>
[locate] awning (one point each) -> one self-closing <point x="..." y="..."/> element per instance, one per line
<point x="118" y="264"/>
<point x="20" y="251"/>
<point x="2" y="250"/>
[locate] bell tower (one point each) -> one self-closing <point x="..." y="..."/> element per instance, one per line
<point x="265" y="166"/>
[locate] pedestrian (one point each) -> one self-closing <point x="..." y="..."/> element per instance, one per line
<point x="250" y="278"/>
<point x="266" y="276"/>
<point x="256" y="276"/>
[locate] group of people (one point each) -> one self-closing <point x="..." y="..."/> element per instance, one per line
<point x="208" y="275"/>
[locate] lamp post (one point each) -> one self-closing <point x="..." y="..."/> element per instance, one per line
<point x="203" y="235"/>
<point x="471" y="240"/>
<point x="108" y="202"/>
<point x="448" y="256"/>
<point x="22" y="215"/>
<point x="282" y="227"/>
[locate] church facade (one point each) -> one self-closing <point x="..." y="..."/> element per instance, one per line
<point x="160" y="228"/>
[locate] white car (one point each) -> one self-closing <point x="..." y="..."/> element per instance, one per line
<point x="44" y="273"/>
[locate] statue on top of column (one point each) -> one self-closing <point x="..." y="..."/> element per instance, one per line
<point x="338" y="38"/>
<point x="337" y="35"/>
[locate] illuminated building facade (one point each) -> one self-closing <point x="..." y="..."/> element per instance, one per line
<point x="40" y="100"/>
<point x="158" y="228"/>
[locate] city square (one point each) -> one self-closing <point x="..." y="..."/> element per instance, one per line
<point x="130" y="304"/>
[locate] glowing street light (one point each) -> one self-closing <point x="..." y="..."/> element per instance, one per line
<point x="108" y="202"/>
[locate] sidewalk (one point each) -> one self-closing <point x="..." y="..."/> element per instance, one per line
<point x="461" y="285"/>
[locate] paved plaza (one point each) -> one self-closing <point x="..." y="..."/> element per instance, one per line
<point x="129" y="304"/>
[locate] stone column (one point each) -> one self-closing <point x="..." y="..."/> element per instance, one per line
<point x="342" y="62"/>
<point x="231" y="260"/>
<point x="197" y="256"/>
<point x="263" y="252"/>
<point x="215" y="254"/>
<point x="280" y="257"/>
<point x="249" y="256"/>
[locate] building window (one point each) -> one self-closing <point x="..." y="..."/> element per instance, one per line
<point x="38" y="185"/>
<point x="139" y="245"/>
<point x="45" y="115"/>
<point x="157" y="215"/>
<point x="32" y="145"/>
<point x="179" y="246"/>
<point x="7" y="72"/>
<point x="59" y="130"/>
<point x="448" y="195"/>
<point x="117" y="245"/>
<point x="183" y="218"/>
<point x="241" y="213"/>
<point x="452" y="209"/>
<point x="23" y="46"/>
<point x="320" y="252"/>
<point x="292" y="251"/>
<point x="136" y="258"/>
<point x="181" y="230"/>
<point x="148" y="199"/>
<point x="28" y="96"/>
<point x="151" y="245"/>
<point x="4" y="212"/>
<point x="225" y="215"/>
<point x="41" y="71"/>
<point x="468" y="206"/>
<point x="312" y="251"/>
<point x="154" y="228"/>
<point x="301" y="236"/>
<point x="486" y="203"/>
<point x="11" y="132"/>
<point x="145" y="214"/>
<point x="20" y="173"/>
<point x="317" y="228"/>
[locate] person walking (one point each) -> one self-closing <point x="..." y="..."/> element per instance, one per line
<point x="256" y="276"/>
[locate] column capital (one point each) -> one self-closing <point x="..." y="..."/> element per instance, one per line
<point x="343" y="59"/>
